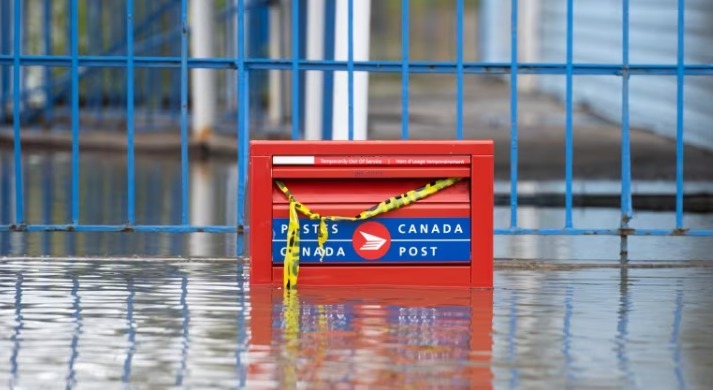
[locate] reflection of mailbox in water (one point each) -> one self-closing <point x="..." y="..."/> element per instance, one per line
<point x="416" y="327"/>
<point x="444" y="239"/>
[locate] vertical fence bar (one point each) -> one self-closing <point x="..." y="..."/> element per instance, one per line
<point x="130" y="111"/>
<point x="184" y="112"/>
<point x="405" y="48"/>
<point x="569" y="144"/>
<point x="513" y="114"/>
<point x="47" y="32"/>
<point x="100" y="48"/>
<point x="114" y="8"/>
<point x="175" y="98"/>
<point x="243" y="126"/>
<point x="350" y="66"/>
<point x="295" y="70"/>
<point x="459" y="69"/>
<point x="679" y="114"/>
<point x="74" y="38"/>
<point x="328" y="94"/>
<point x="5" y="26"/>
<point x="91" y="30"/>
<point x="19" y="197"/>
<point x="626" y="210"/>
<point x="24" y="42"/>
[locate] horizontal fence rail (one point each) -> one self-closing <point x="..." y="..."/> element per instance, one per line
<point x="242" y="61"/>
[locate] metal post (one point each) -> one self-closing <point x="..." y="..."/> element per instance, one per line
<point x="19" y="186"/>
<point x="680" y="78"/>
<point x="513" y="115"/>
<point x="569" y="131"/>
<point x="184" y="112"/>
<point x="405" y="48"/>
<point x="243" y="127"/>
<point x="276" y="109"/>
<point x="130" y="112"/>
<point x="74" y="51"/>
<point x="352" y="34"/>
<point x="47" y="25"/>
<point x="315" y="51"/>
<point x="626" y="209"/>
<point x="295" y="51"/>
<point x="203" y="91"/>
<point x="5" y="33"/>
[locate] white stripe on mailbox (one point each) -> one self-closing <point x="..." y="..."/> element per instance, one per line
<point x="292" y="160"/>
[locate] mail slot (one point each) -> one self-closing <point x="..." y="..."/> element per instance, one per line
<point x="440" y="236"/>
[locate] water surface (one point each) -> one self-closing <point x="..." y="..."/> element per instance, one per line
<point x="198" y="324"/>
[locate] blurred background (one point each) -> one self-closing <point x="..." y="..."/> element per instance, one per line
<point x="313" y="105"/>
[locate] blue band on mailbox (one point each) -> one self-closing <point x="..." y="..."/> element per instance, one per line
<point x="381" y="240"/>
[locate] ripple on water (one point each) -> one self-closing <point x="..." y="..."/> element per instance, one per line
<point x="161" y="324"/>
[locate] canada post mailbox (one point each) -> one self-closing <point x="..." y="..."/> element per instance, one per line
<point x="395" y="212"/>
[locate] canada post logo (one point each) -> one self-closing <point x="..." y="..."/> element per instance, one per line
<point x="371" y="240"/>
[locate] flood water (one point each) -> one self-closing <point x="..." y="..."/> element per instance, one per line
<point x="197" y="324"/>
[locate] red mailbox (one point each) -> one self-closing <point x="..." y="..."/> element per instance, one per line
<point x="444" y="239"/>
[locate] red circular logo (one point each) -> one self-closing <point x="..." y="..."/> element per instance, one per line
<point x="371" y="240"/>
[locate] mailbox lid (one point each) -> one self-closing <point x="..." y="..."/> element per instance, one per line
<point x="343" y="148"/>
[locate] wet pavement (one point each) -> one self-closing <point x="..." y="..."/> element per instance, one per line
<point x="432" y="115"/>
<point x="197" y="324"/>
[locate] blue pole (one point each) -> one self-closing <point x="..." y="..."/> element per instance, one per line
<point x="5" y="26"/>
<point x="130" y="111"/>
<point x="459" y="70"/>
<point x="5" y="177"/>
<point x="100" y="46"/>
<point x="626" y="208"/>
<point x="569" y="145"/>
<point x="184" y="112"/>
<point x="74" y="48"/>
<point x="513" y="115"/>
<point x="328" y="95"/>
<point x="405" y="48"/>
<point x="243" y="126"/>
<point x="679" y="113"/>
<point x="23" y="87"/>
<point x="295" y="70"/>
<point x="19" y="186"/>
<point x="350" y="66"/>
<point x="47" y="15"/>
<point x="93" y="24"/>
<point x="176" y="76"/>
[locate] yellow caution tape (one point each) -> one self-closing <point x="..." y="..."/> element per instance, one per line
<point x="291" y="333"/>
<point x="291" y="264"/>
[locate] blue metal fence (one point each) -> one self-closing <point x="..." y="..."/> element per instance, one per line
<point x="245" y="62"/>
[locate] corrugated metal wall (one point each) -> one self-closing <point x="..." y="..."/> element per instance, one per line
<point x="653" y="39"/>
